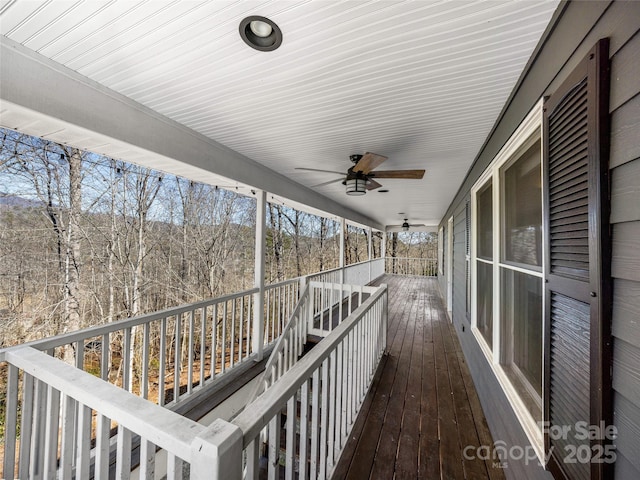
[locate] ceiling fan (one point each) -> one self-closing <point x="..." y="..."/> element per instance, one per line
<point x="406" y="225"/>
<point x="360" y="177"/>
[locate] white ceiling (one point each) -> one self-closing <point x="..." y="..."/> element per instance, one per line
<point x="421" y="82"/>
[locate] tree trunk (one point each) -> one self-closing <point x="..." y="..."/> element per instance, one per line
<point x="73" y="260"/>
<point x="394" y="250"/>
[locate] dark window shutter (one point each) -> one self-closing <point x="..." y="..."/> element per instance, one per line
<point x="577" y="270"/>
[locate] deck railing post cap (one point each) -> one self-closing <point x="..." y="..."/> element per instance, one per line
<point x="216" y="453"/>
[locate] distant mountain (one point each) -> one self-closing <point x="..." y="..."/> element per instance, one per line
<point x="8" y="200"/>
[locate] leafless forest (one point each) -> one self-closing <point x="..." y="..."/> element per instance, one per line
<point x="86" y="239"/>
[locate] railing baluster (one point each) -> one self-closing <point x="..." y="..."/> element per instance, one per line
<point x="123" y="454"/>
<point x="340" y="304"/>
<point x="233" y="332"/>
<point x="79" y="354"/>
<point x="177" y="358"/>
<point x="241" y="329"/>
<point x="127" y="381"/>
<point x="83" y="446"/>
<point x="291" y="435"/>
<point x="350" y="375"/>
<point x="147" y="460"/>
<point x="38" y="421"/>
<point x="338" y="402"/>
<point x="248" y="320"/>
<point x="51" y="432"/>
<point x="331" y="397"/>
<point x="278" y="309"/>
<point x="174" y="467"/>
<point x="214" y="333"/>
<point x="163" y="360"/>
<point x="69" y="406"/>
<point x="203" y="343"/>
<point x="345" y="388"/>
<point x="304" y="430"/>
<point x="253" y="459"/>
<point x="103" y="426"/>
<point x="274" y="447"/>
<point x="190" y="352"/>
<point x="11" y="419"/>
<point x="223" y="353"/>
<point x="324" y="414"/>
<point x="315" y="412"/>
<point x="144" y="387"/>
<point x="105" y="355"/>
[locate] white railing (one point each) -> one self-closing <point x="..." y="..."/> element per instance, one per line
<point x="321" y="395"/>
<point x="61" y="421"/>
<point x="322" y="307"/>
<point x="280" y="300"/>
<point x="332" y="303"/>
<point x="361" y="273"/>
<point x="67" y="419"/>
<point x="427" y="267"/>
<point x="288" y="348"/>
<point x="166" y="355"/>
<point x="163" y="357"/>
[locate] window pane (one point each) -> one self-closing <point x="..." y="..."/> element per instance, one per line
<point x="521" y="311"/>
<point x="523" y="209"/>
<point x="485" y="223"/>
<point x="484" y="319"/>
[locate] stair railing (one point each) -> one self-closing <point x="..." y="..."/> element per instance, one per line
<point x="288" y="347"/>
<point x="320" y="396"/>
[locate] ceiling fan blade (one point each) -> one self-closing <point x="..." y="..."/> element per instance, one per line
<point x="414" y="174"/>
<point x="372" y="184"/>
<point x="318" y="170"/>
<point x="417" y="225"/>
<point x="336" y="180"/>
<point x="368" y="162"/>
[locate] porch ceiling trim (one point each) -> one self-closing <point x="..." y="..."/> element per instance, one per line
<point x="41" y="97"/>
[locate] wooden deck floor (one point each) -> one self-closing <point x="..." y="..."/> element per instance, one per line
<point x="422" y="410"/>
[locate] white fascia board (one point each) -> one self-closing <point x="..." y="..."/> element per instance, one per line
<point x="62" y="105"/>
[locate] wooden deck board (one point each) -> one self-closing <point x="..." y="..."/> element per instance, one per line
<point x="422" y="409"/>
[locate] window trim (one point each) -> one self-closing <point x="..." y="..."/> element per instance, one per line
<point x="530" y="128"/>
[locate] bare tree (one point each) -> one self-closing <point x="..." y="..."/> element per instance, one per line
<point x="277" y="243"/>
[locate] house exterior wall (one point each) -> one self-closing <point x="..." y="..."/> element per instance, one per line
<point x="576" y="27"/>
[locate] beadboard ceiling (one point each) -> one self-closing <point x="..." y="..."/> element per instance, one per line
<point x="421" y="82"/>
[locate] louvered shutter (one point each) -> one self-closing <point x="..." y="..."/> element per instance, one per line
<point x="577" y="271"/>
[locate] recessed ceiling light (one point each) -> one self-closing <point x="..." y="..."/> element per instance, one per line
<point x="260" y="33"/>
<point x="383" y="191"/>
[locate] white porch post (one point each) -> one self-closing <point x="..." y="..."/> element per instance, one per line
<point x="343" y="228"/>
<point x="370" y="251"/>
<point x="258" y="298"/>
<point x="383" y="249"/>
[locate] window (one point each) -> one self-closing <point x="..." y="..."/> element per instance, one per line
<point x="521" y="290"/>
<point x="507" y="271"/>
<point x="484" y="267"/>
<point x="467" y="257"/>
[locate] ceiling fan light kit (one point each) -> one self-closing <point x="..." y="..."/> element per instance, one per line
<point x="356" y="186"/>
<point x="360" y="177"/>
